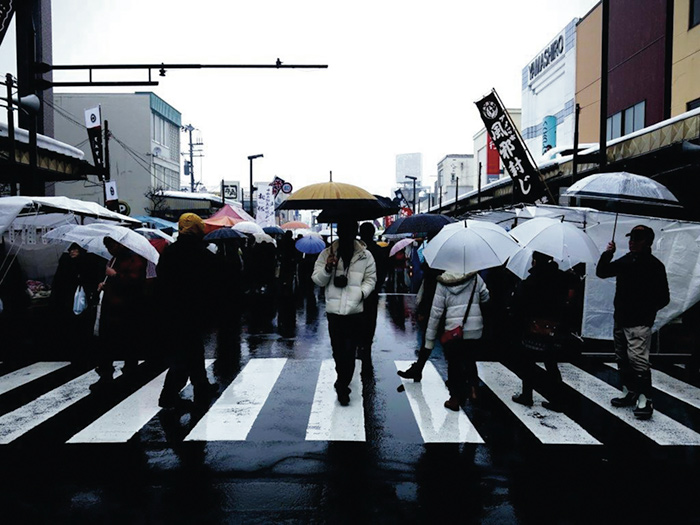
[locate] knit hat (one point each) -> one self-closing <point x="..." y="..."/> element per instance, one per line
<point x="191" y="224"/>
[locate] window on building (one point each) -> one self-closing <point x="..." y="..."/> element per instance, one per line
<point x="627" y="121"/>
<point x="694" y="13"/>
<point x="161" y="131"/>
<point x="693" y="104"/>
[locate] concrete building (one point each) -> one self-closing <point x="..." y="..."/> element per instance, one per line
<point x="548" y="95"/>
<point x="455" y="173"/>
<point x="144" y="145"/>
<point x="685" y="75"/>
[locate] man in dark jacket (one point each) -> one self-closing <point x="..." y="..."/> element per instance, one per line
<point x="186" y="284"/>
<point x="641" y="290"/>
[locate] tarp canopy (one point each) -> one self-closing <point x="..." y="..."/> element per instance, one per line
<point x="235" y="213"/>
<point x="160" y="224"/>
<point x="12" y="207"/>
<point x="676" y="244"/>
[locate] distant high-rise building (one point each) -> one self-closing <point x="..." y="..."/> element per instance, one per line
<point x="409" y="164"/>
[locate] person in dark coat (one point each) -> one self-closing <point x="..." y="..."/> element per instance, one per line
<point x="76" y="267"/>
<point x="187" y="284"/>
<point x="641" y="290"/>
<point x="540" y="313"/>
<point x="371" y="303"/>
<point x="121" y="311"/>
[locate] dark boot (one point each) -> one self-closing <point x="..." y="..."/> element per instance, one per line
<point x="627" y="399"/>
<point x="415" y="371"/>
<point x="453" y="403"/>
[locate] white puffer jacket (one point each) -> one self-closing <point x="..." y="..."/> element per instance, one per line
<point x="362" y="276"/>
<point x="452" y="297"/>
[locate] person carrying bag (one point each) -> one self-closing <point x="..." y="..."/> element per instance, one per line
<point x="458" y="297"/>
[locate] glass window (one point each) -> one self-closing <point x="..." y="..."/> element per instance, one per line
<point x="694" y="13"/>
<point x="629" y="120"/>
<point x="608" y="132"/>
<point x="693" y="104"/>
<point x="616" y="126"/>
<point x="639" y="110"/>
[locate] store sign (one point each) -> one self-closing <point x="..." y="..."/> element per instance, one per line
<point x="549" y="133"/>
<point x="231" y="188"/>
<point x="511" y="148"/>
<point x="93" y="123"/>
<point x="550" y="55"/>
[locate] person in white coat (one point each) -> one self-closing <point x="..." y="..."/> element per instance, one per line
<point x="454" y="295"/>
<point x="348" y="272"/>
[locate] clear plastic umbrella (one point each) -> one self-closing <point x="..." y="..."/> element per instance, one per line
<point x="91" y="237"/>
<point x="248" y="227"/>
<point x="622" y="187"/>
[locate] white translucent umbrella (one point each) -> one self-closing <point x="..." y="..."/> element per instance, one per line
<point x="521" y="262"/>
<point x="150" y="233"/>
<point x="469" y="246"/>
<point x="264" y="237"/>
<point x="248" y="227"/>
<point x="91" y="237"/>
<point x="622" y="187"/>
<point x="561" y="240"/>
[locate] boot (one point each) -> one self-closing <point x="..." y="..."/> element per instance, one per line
<point x="644" y="408"/>
<point x="415" y="371"/>
<point x="627" y="399"/>
<point x="453" y="404"/>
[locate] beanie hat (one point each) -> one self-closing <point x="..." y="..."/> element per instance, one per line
<point x="191" y="224"/>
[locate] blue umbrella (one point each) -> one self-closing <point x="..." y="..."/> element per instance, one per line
<point x="223" y="234"/>
<point x="273" y="230"/>
<point x="391" y="230"/>
<point x="310" y="244"/>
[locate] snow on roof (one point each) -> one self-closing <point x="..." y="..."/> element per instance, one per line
<point x="43" y="142"/>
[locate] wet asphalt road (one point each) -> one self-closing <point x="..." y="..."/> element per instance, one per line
<point x="275" y="475"/>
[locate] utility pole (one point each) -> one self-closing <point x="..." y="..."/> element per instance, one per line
<point x="411" y="177"/>
<point x="189" y="167"/>
<point x="252" y="189"/>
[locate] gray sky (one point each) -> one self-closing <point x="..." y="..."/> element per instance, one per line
<point x="402" y="78"/>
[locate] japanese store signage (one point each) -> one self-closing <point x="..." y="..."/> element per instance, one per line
<point x="512" y="150"/>
<point x="553" y="52"/>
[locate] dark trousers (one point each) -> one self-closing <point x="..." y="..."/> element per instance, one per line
<point x="369" y="327"/>
<point x="345" y="338"/>
<point x="526" y="367"/>
<point x="119" y="339"/>
<point x="461" y="368"/>
<point x="186" y="361"/>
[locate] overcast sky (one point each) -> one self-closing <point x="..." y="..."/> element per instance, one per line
<point x="403" y="76"/>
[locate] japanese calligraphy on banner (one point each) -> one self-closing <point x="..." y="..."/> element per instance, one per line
<point x="528" y="186"/>
<point x="279" y="184"/>
<point x="265" y="214"/>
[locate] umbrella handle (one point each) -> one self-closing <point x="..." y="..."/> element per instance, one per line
<point x="614" y="228"/>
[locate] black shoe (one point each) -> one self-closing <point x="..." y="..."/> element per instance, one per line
<point x="173" y="402"/>
<point x="644" y="412"/>
<point x="100" y="386"/>
<point x="453" y="404"/>
<point x="414" y="372"/>
<point x="344" y="398"/>
<point x="204" y="393"/>
<point x="625" y="401"/>
<point x="554" y="407"/>
<point x="522" y="399"/>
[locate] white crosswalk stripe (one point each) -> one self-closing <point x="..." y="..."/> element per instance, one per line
<point x="122" y="422"/>
<point x="661" y="428"/>
<point x="233" y="414"/>
<point x="28" y="374"/>
<point x="329" y="421"/>
<point x="22" y="420"/>
<point x="437" y="424"/>
<point x="552" y="428"/>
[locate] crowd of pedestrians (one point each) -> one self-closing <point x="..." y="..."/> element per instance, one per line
<point x="192" y="289"/>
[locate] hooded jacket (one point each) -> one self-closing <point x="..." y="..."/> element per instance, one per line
<point x="452" y="298"/>
<point x="361" y="274"/>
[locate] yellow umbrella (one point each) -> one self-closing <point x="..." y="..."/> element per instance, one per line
<point x="327" y="194"/>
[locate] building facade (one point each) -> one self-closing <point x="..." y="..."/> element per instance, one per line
<point x="455" y="176"/>
<point x="144" y="145"/>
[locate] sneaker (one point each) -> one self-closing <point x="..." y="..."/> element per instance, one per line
<point x="453" y="404"/>
<point x="414" y="372"/>
<point x="625" y="401"/>
<point x="522" y="399"/>
<point x="644" y="412"/>
<point x="554" y="407"/>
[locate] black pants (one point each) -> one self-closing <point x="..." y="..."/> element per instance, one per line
<point x="525" y="363"/>
<point x="186" y="361"/>
<point x="346" y="335"/>
<point x="369" y="327"/>
<point x="461" y="368"/>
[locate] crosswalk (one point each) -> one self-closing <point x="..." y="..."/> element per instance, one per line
<point x="249" y="396"/>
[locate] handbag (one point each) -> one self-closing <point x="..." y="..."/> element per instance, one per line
<point x="543" y="326"/>
<point x="457" y="333"/>
<point x="79" y="300"/>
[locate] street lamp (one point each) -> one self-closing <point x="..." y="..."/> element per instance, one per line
<point x="414" y="190"/>
<point x="251" y="158"/>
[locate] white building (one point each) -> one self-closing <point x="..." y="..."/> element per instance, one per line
<point x="144" y="145"/>
<point x="548" y="95"/>
<point x="455" y="173"/>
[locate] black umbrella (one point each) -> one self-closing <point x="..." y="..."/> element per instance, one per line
<point x="427" y="223"/>
<point x="391" y="230"/>
<point x="273" y="230"/>
<point x="224" y="234"/>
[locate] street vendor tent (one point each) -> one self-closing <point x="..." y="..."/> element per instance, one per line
<point x="676" y="244"/>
